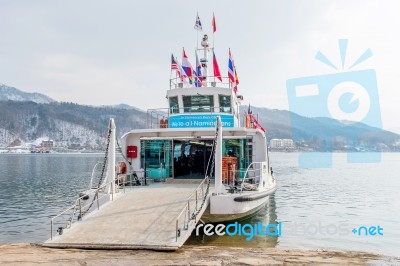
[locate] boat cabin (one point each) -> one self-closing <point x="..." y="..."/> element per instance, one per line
<point x="199" y="107"/>
<point x="179" y="139"/>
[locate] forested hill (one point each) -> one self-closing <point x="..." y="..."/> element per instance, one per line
<point x="65" y="123"/>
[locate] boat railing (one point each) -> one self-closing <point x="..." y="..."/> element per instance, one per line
<point x="209" y="81"/>
<point x="252" y="175"/>
<point x="159" y="117"/>
<point x="66" y="218"/>
<point x="193" y="205"/>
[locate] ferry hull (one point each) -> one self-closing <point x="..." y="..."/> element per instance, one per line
<point x="223" y="218"/>
<point x="231" y="207"/>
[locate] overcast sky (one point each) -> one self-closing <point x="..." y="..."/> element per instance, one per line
<point x="111" y="52"/>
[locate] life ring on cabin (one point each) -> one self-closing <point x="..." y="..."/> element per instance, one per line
<point x="164" y="123"/>
<point x="122" y="168"/>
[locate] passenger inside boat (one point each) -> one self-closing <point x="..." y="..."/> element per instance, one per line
<point x="191" y="158"/>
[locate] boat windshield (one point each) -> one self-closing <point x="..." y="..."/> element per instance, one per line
<point x="198" y="103"/>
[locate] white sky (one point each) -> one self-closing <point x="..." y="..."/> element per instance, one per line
<point x="111" y="52"/>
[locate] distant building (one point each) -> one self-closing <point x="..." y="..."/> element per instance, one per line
<point x="281" y="144"/>
<point x="48" y="144"/>
<point x="75" y="146"/>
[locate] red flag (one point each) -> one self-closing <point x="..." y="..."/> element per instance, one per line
<point x="235" y="89"/>
<point x="256" y="124"/>
<point x="214" y="24"/>
<point x="217" y="73"/>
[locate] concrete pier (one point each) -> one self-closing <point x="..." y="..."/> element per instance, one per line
<point x="141" y="218"/>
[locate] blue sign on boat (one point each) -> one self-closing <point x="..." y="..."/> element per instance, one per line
<point x="187" y="121"/>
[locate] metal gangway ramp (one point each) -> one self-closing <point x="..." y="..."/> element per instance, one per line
<point x="161" y="216"/>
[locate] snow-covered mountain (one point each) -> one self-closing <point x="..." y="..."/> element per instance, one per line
<point x="65" y="123"/>
<point x="29" y="118"/>
<point x="8" y="93"/>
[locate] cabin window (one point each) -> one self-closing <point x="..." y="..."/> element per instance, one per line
<point x="198" y="104"/>
<point x="174" y="105"/>
<point x="224" y="103"/>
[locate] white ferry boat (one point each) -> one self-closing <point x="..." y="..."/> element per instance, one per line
<point x="179" y="142"/>
<point x="197" y="160"/>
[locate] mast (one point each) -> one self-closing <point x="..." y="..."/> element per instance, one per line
<point x="204" y="60"/>
<point x="219" y="188"/>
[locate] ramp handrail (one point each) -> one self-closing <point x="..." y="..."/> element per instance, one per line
<point x="78" y="204"/>
<point x="202" y="190"/>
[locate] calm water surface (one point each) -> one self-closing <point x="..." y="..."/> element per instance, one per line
<point x="318" y="208"/>
<point x="35" y="187"/>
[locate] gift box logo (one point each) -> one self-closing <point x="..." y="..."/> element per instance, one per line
<point x="349" y="96"/>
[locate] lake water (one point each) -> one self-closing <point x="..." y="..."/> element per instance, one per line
<point x="318" y="208"/>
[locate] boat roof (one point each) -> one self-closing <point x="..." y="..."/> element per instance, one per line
<point x="205" y="133"/>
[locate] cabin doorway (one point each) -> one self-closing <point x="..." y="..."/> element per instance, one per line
<point x="191" y="158"/>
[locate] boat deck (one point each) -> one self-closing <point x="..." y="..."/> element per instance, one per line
<point x="141" y="218"/>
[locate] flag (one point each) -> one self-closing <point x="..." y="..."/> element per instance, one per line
<point x="253" y="121"/>
<point x="235" y="88"/>
<point x="231" y="70"/>
<point x="182" y="74"/>
<point x="197" y="81"/>
<point x="256" y="124"/>
<point x="187" y="67"/>
<point x="197" y="25"/>
<point x="217" y="73"/>
<point x="174" y="65"/>
<point x="214" y="24"/>
<point x="179" y="70"/>
<point x="198" y="71"/>
<point x="236" y="75"/>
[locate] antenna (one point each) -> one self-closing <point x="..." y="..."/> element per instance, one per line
<point x="204" y="60"/>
